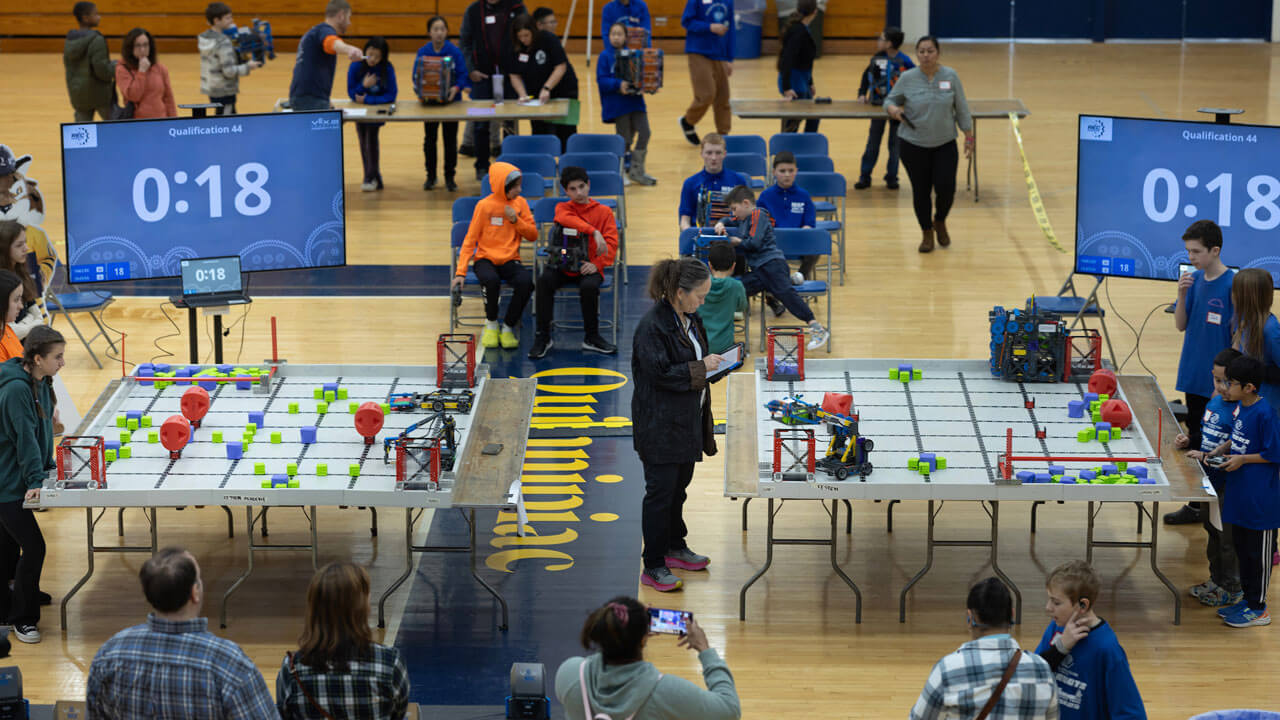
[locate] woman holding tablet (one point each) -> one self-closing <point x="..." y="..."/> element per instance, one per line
<point x="671" y="412"/>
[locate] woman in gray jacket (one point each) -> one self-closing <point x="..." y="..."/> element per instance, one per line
<point x="617" y="683"/>
<point x="929" y="102"/>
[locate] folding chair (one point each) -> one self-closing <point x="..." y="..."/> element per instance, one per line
<point x="815" y="163"/>
<point x="755" y="167"/>
<point x="1078" y="308"/>
<point x="745" y="144"/>
<point x="794" y="244"/>
<point x="832" y="189"/>
<point x="687" y="247"/>
<point x="596" y="142"/>
<point x="592" y="162"/>
<point x="798" y="143"/>
<point x="608" y="189"/>
<point x="531" y="145"/>
<point x="68" y="303"/>
<point x="543" y="165"/>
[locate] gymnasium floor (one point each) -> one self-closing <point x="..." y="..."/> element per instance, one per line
<point x="799" y="654"/>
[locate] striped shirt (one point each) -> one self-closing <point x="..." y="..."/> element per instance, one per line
<point x="374" y="688"/>
<point x="962" y="682"/>
<point x="167" y="669"/>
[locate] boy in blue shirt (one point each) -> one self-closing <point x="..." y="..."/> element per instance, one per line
<point x="877" y="80"/>
<point x="712" y="177"/>
<point x="1203" y="313"/>
<point x="1251" y="497"/>
<point x="753" y="232"/>
<point x="1222" y="589"/>
<point x="790" y="205"/>
<point x="1094" y="680"/>
<point x="631" y="13"/>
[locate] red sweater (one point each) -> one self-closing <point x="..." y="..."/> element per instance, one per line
<point x="587" y="219"/>
<point x="149" y="91"/>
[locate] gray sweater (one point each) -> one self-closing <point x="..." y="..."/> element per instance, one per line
<point x="935" y="106"/>
<point x="220" y="67"/>
<point x="638" y="688"/>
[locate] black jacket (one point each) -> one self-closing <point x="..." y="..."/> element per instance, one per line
<point x="797" y="53"/>
<point x="670" y="413"/>
<point x="474" y="42"/>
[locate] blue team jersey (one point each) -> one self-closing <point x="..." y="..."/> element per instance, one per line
<point x="790" y="208"/>
<point x="723" y="181"/>
<point x="1215" y="429"/>
<point x="1094" y="680"/>
<point x="1208" y="332"/>
<point x="1251" y="494"/>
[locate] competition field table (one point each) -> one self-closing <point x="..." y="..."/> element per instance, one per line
<point x="778" y="108"/>
<point x="957" y="410"/>
<point x="336" y="468"/>
<point x="410" y="110"/>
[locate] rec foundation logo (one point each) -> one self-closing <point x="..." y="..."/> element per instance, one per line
<point x="1095" y="128"/>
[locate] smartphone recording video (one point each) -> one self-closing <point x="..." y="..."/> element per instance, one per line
<point x="671" y="622"/>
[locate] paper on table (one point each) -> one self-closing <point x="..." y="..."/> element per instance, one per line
<point x="531" y="102"/>
<point x="482" y="111"/>
<point x="355" y="112"/>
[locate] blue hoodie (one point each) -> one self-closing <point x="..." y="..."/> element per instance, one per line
<point x="632" y="14"/>
<point x="460" y="77"/>
<point x="383" y="92"/>
<point x="699" y="40"/>
<point x="613" y="103"/>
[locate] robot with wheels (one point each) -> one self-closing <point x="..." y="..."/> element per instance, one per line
<point x="847" y="453"/>
<point x="437" y="401"/>
<point x="439" y="425"/>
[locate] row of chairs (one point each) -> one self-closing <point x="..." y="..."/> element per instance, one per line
<point x="550" y="145"/>
<point x="796" y="143"/>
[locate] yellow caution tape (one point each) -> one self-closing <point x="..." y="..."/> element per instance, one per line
<point x="1033" y="190"/>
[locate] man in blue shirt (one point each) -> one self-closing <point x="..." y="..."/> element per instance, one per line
<point x="172" y="666"/>
<point x="632" y="13"/>
<point x="1203" y="313"/>
<point x="317" y="60"/>
<point x="789" y="204"/>
<point x="1251" y="497"/>
<point x="713" y="177"/>
<point x="708" y="45"/>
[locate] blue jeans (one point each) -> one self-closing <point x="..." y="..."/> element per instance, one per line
<point x="775" y="276"/>
<point x="872" y="153"/>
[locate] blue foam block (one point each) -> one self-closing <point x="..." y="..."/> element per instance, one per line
<point x="1026" y="476"/>
<point x="308" y="434"/>
<point x="1090" y="397"/>
<point x="331" y="386"/>
<point x="1088" y="474"/>
<point x="1067" y="480"/>
<point x="279" y="481"/>
<point x="235" y="450"/>
<point x="1044" y="478"/>
<point x="244" y="385"/>
<point x="183" y="372"/>
<point x="1138" y="472"/>
<point x="1057" y="470"/>
<point x="1075" y="408"/>
<point x="256" y="417"/>
<point x="111" y="445"/>
<point x="1102" y="427"/>
<point x="161" y="367"/>
<point x="208" y="385"/>
<point x="1146" y="481"/>
<point x="226" y="368"/>
<point x="1110" y="469"/>
<point x="133" y="414"/>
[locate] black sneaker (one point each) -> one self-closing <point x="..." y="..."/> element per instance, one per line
<point x="429" y="184"/>
<point x="468" y="150"/>
<point x="690" y="133"/>
<point x="27" y="633"/>
<point x="45" y="598"/>
<point x="775" y="305"/>
<point x="1185" y="515"/>
<point x="862" y="184"/>
<point x="541" y="345"/>
<point x="450" y="184"/>
<point x="595" y="343"/>
<point x="891" y="184"/>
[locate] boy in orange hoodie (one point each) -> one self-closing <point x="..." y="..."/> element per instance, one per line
<point x="500" y="221"/>
<point x="592" y="221"/>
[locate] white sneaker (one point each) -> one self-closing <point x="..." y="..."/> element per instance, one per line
<point x="27" y="633"/>
<point x="369" y="186"/>
<point x="797" y="278"/>
<point x="818" y="336"/>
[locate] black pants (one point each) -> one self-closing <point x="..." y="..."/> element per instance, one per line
<point x="1220" y="549"/>
<point x="482" y="90"/>
<point x="872" y="152"/>
<point x="104" y="112"/>
<point x="367" y="133"/>
<point x="449" y="137"/>
<point x="662" y="519"/>
<point x="21" y="559"/>
<point x="228" y="104"/>
<point x="564" y="132"/>
<point x="775" y="277"/>
<point x="1195" y="414"/>
<point x="491" y="278"/>
<point x="551" y="280"/>
<point x="1253" y="550"/>
<point x="932" y="171"/>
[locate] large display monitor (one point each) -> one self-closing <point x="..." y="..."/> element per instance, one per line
<point x="1141" y="182"/>
<point x="140" y="196"/>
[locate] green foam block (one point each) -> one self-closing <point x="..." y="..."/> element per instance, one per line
<point x="354" y="470"/>
<point x="352" y="407"/>
<point x="318" y="393"/>
<point x="330" y="396"/>
<point x="942" y="462"/>
<point x="217" y="436"/>
<point x="1115" y="435"/>
<point x="111" y="455"/>
<point x="146" y="421"/>
<point x="342" y="393"/>
<point x="125" y="437"/>
<point x="386" y="408"/>
<point x="266" y="484"/>
<point x="893" y="374"/>
<point x="291" y="469"/>
<point x="251" y="427"/>
<point x="322" y="407"/>
<point x="294" y="484"/>
<point x="322" y="469"/>
<point x="124" y="452"/>
<point x="132" y="424"/>
<point x="293" y="408"/>
<point x="153" y="437"/>
<point x="917" y="374"/>
<point x="276" y="438"/>
<point x="121" y="421"/>
<point x="259" y="468"/>
<point x="913" y="463"/>
<point x="1086" y="434"/>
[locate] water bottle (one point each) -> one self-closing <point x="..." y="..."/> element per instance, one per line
<point x="498" y="88"/>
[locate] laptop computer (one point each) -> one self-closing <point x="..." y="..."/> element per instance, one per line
<point x="212" y="282"/>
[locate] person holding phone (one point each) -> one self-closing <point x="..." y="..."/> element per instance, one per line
<point x="671" y="364"/>
<point x="617" y="681"/>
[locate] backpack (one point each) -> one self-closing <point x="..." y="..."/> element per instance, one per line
<point x="882" y="75"/>
<point x="586" y="701"/>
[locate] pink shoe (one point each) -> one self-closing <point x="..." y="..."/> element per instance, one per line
<point x="686" y="559"/>
<point x="660" y="579"/>
<point x="1275" y="558"/>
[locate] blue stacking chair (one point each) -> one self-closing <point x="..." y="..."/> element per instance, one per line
<point x="596" y="142"/>
<point x="472" y="288"/>
<point x="688" y="248"/>
<point x="755" y="167"/>
<point x="799" y="144"/>
<point x="464" y="208"/>
<point x="745" y="144"/>
<point x="544" y="214"/>
<point x="532" y="185"/>
<point x="531" y="145"/>
<point x="592" y="162"/>
<point x="831" y="189"/>
<point x="609" y="190"/>
<point x="794" y="244"/>
<point x="815" y="163"/>
<point x="62" y="298"/>
<point x="543" y="165"/>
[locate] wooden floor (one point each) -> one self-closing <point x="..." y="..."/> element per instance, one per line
<point x="800" y="655"/>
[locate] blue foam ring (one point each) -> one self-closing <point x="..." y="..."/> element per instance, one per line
<point x="144" y="369"/>
<point x="1138" y="471"/>
<point x="1102" y="427"/>
<point x="279" y="481"/>
<point x="1026" y="476"/>
<point x="1088" y="474"/>
<point x="235" y="450"/>
<point x="193" y="369"/>
<point x="307" y="434"/>
<point x="1075" y="408"/>
<point x="1044" y="478"/>
<point x="182" y="372"/>
<point x="208" y="385"/>
<point x="904" y="369"/>
<point x="331" y="386"/>
<point x="257" y="417"/>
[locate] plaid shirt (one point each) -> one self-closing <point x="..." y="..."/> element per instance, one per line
<point x="962" y="682"/>
<point x="167" y="669"/>
<point x="375" y="688"/>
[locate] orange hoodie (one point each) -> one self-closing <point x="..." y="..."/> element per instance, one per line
<point x="586" y="219"/>
<point x="491" y="236"/>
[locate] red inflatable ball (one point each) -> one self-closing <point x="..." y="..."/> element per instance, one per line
<point x="195" y="403"/>
<point x="175" y="433"/>
<point x="1103" y="382"/>
<point x="368" y="419"/>
<point x="1116" y="412"/>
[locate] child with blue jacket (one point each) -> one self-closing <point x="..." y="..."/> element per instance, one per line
<point x="1251" y="496"/>
<point x="753" y="232"/>
<point x="440" y="46"/>
<point x="1222" y="589"/>
<point x="877" y="80"/>
<point x="632" y="14"/>
<point x="708" y="48"/>
<point x="372" y="81"/>
<point x="623" y="105"/>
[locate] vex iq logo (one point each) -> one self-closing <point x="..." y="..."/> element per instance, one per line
<point x="325" y="124"/>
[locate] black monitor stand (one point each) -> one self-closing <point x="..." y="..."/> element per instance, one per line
<point x="193" y="329"/>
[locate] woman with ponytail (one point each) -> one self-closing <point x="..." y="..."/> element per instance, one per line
<point x="26" y="456"/>
<point x="1256" y="332"/>
<point x="617" y="683"/>
<point x="671" y="413"/>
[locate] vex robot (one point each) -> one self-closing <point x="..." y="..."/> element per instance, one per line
<point x="253" y="42"/>
<point x="847" y="452"/>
